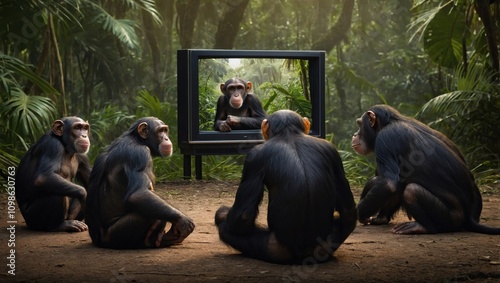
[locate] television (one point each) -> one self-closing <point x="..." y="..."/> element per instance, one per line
<point x="195" y="134"/>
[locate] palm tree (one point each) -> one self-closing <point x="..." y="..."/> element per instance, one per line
<point x="56" y="42"/>
<point x="455" y="38"/>
<point x="23" y="117"/>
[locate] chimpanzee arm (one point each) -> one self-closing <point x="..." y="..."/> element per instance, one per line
<point x="48" y="179"/>
<point x="84" y="169"/>
<point x="380" y="189"/>
<point x="220" y="112"/>
<point x="241" y="217"/>
<point x="143" y="201"/>
<point x="257" y="113"/>
<point x="148" y="204"/>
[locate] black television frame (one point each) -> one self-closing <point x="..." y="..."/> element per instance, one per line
<point x="192" y="141"/>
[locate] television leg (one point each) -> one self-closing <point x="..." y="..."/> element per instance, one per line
<point x="187" y="167"/>
<point x="197" y="166"/>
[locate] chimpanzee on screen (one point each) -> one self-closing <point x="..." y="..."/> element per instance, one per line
<point x="418" y="169"/>
<point x="47" y="197"/>
<point x="311" y="208"/>
<point x="122" y="209"/>
<point x="237" y="108"/>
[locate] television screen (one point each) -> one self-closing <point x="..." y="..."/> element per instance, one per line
<point x="292" y="80"/>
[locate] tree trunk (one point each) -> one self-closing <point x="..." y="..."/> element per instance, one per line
<point x="338" y="32"/>
<point x="149" y="29"/>
<point x="229" y="24"/>
<point x="64" y="110"/>
<point x="322" y="15"/>
<point x="483" y="10"/>
<point x="166" y="10"/>
<point x="187" y="11"/>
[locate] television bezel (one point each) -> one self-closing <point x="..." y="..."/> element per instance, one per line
<point x="189" y="133"/>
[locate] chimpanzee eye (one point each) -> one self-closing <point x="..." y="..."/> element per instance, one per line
<point x="163" y="130"/>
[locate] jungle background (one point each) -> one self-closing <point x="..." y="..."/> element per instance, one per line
<point x="111" y="62"/>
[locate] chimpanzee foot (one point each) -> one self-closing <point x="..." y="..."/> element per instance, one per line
<point x="171" y="238"/>
<point x="155" y="234"/>
<point x="221" y="214"/>
<point x="410" y="228"/>
<point x="72" y="226"/>
<point x="179" y="231"/>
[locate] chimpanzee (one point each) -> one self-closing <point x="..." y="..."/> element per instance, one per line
<point x="237" y="108"/>
<point x="418" y="169"/>
<point x="47" y="197"/>
<point x="122" y="209"/>
<point x="311" y="209"/>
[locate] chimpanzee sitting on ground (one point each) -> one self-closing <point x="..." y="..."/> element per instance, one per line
<point x="47" y="197"/>
<point x="418" y="169"/>
<point x="311" y="209"/>
<point x="237" y="108"/>
<point x="123" y="211"/>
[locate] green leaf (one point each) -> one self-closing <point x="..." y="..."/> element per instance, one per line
<point x="443" y="36"/>
<point x="10" y="66"/>
<point x="28" y="115"/>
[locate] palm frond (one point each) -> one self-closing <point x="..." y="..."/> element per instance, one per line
<point x="147" y="5"/>
<point x="150" y="105"/>
<point x="424" y="16"/>
<point x="123" y="29"/>
<point x="443" y="36"/>
<point x="28" y="115"/>
<point x="10" y="65"/>
<point x="475" y="78"/>
<point x="456" y="102"/>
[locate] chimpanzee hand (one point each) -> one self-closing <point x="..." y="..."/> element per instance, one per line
<point x="224" y="127"/>
<point x="233" y="120"/>
<point x="379" y="220"/>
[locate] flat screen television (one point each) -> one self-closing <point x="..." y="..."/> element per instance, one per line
<point x="200" y="72"/>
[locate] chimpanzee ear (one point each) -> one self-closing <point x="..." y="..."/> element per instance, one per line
<point x="265" y="129"/>
<point x="307" y="125"/>
<point x="58" y="128"/>
<point x="223" y="88"/>
<point x="372" y="118"/>
<point x="249" y="86"/>
<point x="143" y="130"/>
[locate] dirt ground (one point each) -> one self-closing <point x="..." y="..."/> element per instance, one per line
<point x="370" y="254"/>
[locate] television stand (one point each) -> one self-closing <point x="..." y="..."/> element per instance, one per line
<point x="215" y="148"/>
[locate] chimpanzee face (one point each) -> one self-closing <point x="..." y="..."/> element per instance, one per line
<point x="363" y="140"/>
<point x="358" y="144"/>
<point x="75" y="132"/>
<point x="155" y="135"/>
<point x="236" y="91"/>
<point x="165" y="145"/>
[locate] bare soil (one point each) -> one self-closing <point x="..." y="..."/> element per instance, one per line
<point x="370" y="254"/>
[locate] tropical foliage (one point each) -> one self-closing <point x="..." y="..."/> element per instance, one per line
<point x="113" y="61"/>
